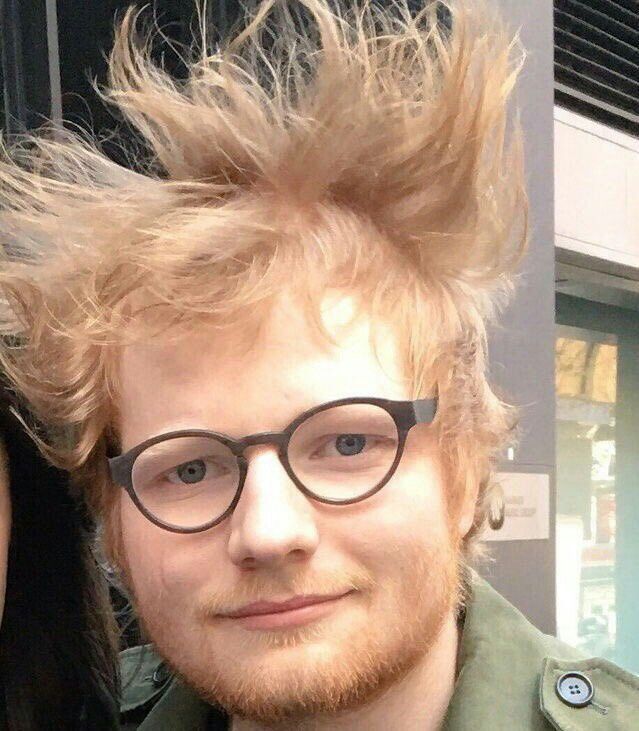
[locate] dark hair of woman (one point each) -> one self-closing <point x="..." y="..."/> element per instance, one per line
<point x="57" y="655"/>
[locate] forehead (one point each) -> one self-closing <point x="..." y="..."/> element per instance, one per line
<point x="203" y="378"/>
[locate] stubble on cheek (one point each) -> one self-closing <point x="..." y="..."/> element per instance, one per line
<point x="140" y="573"/>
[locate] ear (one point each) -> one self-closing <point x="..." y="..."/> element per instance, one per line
<point x="466" y="515"/>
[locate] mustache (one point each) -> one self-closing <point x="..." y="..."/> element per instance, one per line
<point x="281" y="586"/>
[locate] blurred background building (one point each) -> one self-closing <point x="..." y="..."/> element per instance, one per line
<point x="568" y="353"/>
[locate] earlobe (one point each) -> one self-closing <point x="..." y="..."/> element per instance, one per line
<point x="468" y="508"/>
<point x="465" y="521"/>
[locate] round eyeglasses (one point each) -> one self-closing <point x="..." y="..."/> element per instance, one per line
<point x="337" y="453"/>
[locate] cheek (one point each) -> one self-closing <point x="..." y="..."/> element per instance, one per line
<point x="403" y="523"/>
<point x="414" y="500"/>
<point x="160" y="563"/>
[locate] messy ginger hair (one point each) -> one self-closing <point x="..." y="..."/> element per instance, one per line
<point x="354" y="145"/>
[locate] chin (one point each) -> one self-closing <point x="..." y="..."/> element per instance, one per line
<point x="290" y="682"/>
<point x="317" y="640"/>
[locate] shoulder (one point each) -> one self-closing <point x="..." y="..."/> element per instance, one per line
<point x="576" y="691"/>
<point x="515" y="678"/>
<point x="590" y="693"/>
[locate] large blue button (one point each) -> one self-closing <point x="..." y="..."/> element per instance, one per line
<point x="575" y="689"/>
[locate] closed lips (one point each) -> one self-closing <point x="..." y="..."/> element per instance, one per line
<point x="260" y="608"/>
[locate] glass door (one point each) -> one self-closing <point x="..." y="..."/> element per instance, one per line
<point x="597" y="508"/>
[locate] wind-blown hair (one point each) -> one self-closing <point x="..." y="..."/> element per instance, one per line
<point x="366" y="150"/>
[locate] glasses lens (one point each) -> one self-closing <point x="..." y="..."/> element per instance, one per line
<point x="343" y="452"/>
<point x="186" y="481"/>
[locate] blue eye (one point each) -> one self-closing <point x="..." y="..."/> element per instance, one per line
<point x="349" y="444"/>
<point x="190" y="472"/>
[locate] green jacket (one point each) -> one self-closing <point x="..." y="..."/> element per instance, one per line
<point x="508" y="682"/>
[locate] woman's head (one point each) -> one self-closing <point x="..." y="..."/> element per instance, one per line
<point x="56" y="657"/>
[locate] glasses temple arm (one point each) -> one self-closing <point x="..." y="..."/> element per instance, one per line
<point x="424" y="410"/>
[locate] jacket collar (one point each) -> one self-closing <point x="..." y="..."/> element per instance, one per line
<point x="181" y="710"/>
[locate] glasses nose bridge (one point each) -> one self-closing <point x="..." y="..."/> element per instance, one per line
<point x="267" y="437"/>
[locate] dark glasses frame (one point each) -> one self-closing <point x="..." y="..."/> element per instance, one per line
<point x="405" y="414"/>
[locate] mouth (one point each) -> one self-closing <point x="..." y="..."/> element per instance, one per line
<point x="294" y="612"/>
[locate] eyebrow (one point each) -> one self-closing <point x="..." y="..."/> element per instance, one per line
<point x="187" y="423"/>
<point x="204" y="423"/>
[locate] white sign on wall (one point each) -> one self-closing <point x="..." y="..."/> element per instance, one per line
<point x="522" y="508"/>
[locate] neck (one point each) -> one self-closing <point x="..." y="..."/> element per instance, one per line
<point x="419" y="700"/>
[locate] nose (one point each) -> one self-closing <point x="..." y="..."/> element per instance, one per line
<point x="273" y="523"/>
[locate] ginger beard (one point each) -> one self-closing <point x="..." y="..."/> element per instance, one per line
<point x="384" y="629"/>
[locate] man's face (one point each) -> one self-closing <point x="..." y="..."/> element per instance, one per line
<point x="383" y="569"/>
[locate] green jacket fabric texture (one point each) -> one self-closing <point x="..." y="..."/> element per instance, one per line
<point x="512" y="678"/>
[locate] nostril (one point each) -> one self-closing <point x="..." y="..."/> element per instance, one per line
<point x="297" y="553"/>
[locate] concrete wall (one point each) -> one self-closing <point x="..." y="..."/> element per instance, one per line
<point x="522" y="350"/>
<point x="596" y="190"/>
